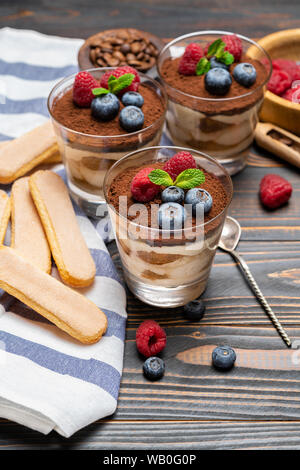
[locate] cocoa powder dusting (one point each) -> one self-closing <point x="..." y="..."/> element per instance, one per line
<point x="67" y="113"/>
<point x="194" y="85"/>
<point x="120" y="186"/>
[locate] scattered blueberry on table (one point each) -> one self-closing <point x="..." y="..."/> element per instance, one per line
<point x="223" y="357"/>
<point x="194" y="310"/>
<point x="154" y="368"/>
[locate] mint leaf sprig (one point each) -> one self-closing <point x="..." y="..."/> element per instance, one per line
<point x="217" y="49"/>
<point x="187" y="179"/>
<point x="115" y="85"/>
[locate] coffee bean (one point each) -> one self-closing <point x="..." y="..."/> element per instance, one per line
<point x="101" y="62"/>
<point x="125" y="48"/>
<point x="116" y="41"/>
<point x="113" y="62"/>
<point x="93" y="55"/>
<point x="134" y="63"/>
<point x="130" y="57"/>
<point x="135" y="47"/>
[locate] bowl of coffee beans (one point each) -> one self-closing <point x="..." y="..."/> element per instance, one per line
<point x="118" y="47"/>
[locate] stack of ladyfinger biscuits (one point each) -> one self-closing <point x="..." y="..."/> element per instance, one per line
<point x="43" y="223"/>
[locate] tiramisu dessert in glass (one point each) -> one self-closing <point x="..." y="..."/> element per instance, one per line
<point x="215" y="92"/>
<point x="100" y="115"/>
<point x="167" y="206"/>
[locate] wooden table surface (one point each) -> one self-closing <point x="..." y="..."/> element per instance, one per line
<point x="257" y="404"/>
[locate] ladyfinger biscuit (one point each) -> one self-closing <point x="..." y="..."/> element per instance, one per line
<point x="55" y="158"/>
<point x="4" y="214"/>
<point x="63" y="306"/>
<point x="27" y="232"/>
<point x="72" y="257"/>
<point x="20" y="155"/>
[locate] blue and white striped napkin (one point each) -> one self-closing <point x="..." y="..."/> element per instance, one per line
<point x="48" y="380"/>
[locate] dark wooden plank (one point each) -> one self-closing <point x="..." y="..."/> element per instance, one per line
<point x="167" y="19"/>
<point x="264" y="385"/>
<point x="166" y="435"/>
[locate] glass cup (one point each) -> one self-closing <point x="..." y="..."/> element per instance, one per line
<point x="87" y="157"/>
<point x="222" y="127"/>
<point x="163" y="268"/>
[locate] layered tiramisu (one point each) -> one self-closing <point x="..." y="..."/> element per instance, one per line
<point x="215" y="91"/>
<point x="99" y="116"/>
<point x="168" y="230"/>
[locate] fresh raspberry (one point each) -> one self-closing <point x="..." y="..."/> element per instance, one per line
<point x="180" y="162"/>
<point x="279" y="82"/>
<point x="233" y="45"/>
<point x="289" y="66"/>
<point x="150" y="338"/>
<point x="118" y="72"/>
<point x="192" y="54"/>
<point x="82" y="89"/>
<point x="274" y="191"/>
<point x="292" y="94"/>
<point x="142" y="189"/>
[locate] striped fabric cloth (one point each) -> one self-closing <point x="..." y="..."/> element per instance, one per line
<point x="48" y="380"/>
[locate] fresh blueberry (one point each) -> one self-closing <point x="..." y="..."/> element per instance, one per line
<point x="172" y="194"/>
<point x="217" y="81"/>
<point x="171" y="215"/>
<point x="105" y="107"/>
<point x="194" y="310"/>
<point x="214" y="64"/>
<point x="154" y="368"/>
<point x="199" y="196"/>
<point x="245" y="74"/>
<point x="223" y="357"/>
<point x="132" y="98"/>
<point x="131" y="118"/>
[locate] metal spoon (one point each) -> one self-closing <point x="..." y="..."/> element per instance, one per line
<point x="229" y="239"/>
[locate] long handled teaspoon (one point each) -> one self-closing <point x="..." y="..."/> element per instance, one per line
<point x="228" y="242"/>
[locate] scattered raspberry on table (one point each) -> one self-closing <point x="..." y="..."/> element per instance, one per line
<point x="150" y="338"/>
<point x="274" y="191"/>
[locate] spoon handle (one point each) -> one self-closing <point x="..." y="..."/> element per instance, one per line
<point x="261" y="298"/>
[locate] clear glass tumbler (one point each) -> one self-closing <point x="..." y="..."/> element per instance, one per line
<point x="161" y="270"/>
<point x="222" y="127"/>
<point x="87" y="157"/>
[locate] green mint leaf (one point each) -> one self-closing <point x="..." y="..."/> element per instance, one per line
<point x="227" y="58"/>
<point x="220" y="51"/>
<point x="100" y="91"/>
<point x="203" y="66"/>
<point x="160" y="177"/>
<point x="115" y="85"/>
<point x="214" y="47"/>
<point x="190" y="178"/>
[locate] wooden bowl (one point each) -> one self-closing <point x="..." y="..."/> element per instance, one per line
<point x="281" y="45"/>
<point x="85" y="62"/>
